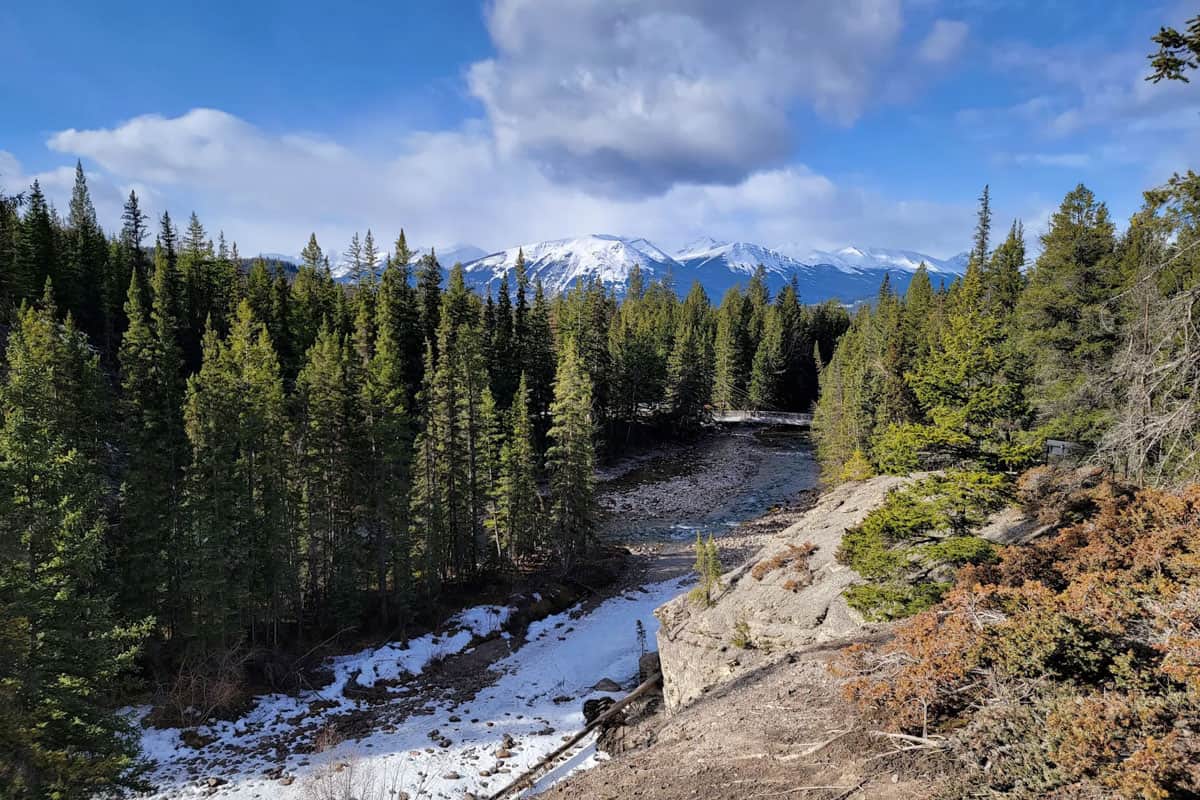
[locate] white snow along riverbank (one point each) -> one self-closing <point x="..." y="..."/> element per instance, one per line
<point x="535" y="701"/>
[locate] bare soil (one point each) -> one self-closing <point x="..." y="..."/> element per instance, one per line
<point x="783" y="731"/>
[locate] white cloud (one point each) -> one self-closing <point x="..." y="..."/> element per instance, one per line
<point x="269" y="191"/>
<point x="630" y="97"/>
<point x="943" y="42"/>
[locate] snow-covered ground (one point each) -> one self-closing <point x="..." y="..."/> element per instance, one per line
<point x="439" y="748"/>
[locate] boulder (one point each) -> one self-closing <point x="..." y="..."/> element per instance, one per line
<point x="607" y="685"/>
<point x="789" y="595"/>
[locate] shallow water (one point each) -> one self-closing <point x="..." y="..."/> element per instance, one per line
<point x="722" y="482"/>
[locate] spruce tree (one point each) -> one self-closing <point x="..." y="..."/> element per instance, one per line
<point x="61" y="652"/>
<point x="429" y="513"/>
<point x="766" y="373"/>
<point x="730" y="360"/>
<point x="505" y="365"/>
<point x="571" y="458"/>
<point x="326" y="431"/>
<point x="153" y="553"/>
<point x="1067" y="328"/>
<point x="36" y="257"/>
<point x="429" y="297"/>
<point x="538" y="356"/>
<point x="388" y="434"/>
<point x="689" y="369"/>
<point x="86" y="265"/>
<point x="971" y="388"/>
<point x="1003" y="277"/>
<point x="244" y="579"/>
<point x="518" y="503"/>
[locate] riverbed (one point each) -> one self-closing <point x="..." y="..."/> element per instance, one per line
<point x="428" y="740"/>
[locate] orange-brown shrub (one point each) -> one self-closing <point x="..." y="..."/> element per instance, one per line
<point x="1070" y="668"/>
<point x="797" y="555"/>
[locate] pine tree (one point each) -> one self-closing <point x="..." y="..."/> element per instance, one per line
<point x="370" y="259"/>
<point x="1003" y="278"/>
<point x="153" y="553"/>
<point x="538" y="356"/>
<point x="429" y="297"/>
<point x="61" y="652"/>
<point x="571" y="458"/>
<point x="35" y="259"/>
<point x="689" y="369"/>
<point x="766" y="374"/>
<point x="1067" y="328"/>
<point x="326" y="432"/>
<point x="729" y="377"/>
<point x="407" y="317"/>
<point x="354" y="260"/>
<point x="244" y="574"/>
<point x="518" y="503"/>
<point x="86" y="267"/>
<point x="983" y="229"/>
<point x="133" y="233"/>
<point x="504" y="364"/>
<point x="388" y="434"/>
<point x="971" y="387"/>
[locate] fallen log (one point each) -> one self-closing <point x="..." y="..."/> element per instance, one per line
<point x="528" y="777"/>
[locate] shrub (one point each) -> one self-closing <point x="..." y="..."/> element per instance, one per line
<point x="908" y="548"/>
<point x="204" y="689"/>
<point x="741" y="635"/>
<point x="856" y="468"/>
<point x="1067" y="668"/>
<point x="796" y="555"/>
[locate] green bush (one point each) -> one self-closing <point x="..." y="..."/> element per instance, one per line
<point x="907" y="546"/>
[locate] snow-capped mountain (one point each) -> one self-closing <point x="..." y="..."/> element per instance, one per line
<point x="736" y="256"/>
<point x="874" y="258"/>
<point x="561" y="262"/>
<point x="849" y="274"/>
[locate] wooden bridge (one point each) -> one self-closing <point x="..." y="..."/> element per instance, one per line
<point x="735" y="417"/>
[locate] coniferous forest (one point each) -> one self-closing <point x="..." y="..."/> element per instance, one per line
<point x="213" y="466"/>
<point x="208" y="461"/>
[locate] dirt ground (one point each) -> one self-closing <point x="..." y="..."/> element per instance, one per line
<point x="782" y="732"/>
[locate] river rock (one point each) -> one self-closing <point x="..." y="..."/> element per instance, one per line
<point x="757" y="619"/>
<point x="606" y="685"/>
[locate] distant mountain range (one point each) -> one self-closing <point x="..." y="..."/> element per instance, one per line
<point x="850" y="275"/>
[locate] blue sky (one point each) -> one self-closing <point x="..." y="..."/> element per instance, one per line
<point x="793" y="123"/>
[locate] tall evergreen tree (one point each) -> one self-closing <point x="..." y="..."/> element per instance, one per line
<point x="36" y="258"/>
<point x="730" y="375"/>
<point x="518" y="503"/>
<point x="61" y="651"/>
<point x="571" y="458"/>
<point x="767" y="372"/>
<point x="245" y="570"/>
<point x="1067" y="328"/>
<point x="429" y="297"/>
<point x="86" y="267"/>
<point x="689" y="369"/>
<point x="326" y="442"/>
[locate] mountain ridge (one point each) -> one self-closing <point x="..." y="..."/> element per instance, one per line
<point x="850" y="275"/>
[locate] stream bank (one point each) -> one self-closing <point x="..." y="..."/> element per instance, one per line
<point x="459" y="713"/>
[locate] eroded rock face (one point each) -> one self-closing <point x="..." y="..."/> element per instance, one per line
<point x="787" y="596"/>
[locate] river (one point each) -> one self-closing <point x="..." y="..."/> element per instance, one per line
<point x="518" y="699"/>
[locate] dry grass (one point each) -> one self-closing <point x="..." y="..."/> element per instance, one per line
<point x="795" y="555"/>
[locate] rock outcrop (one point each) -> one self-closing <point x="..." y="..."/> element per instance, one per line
<point x="787" y="596"/>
